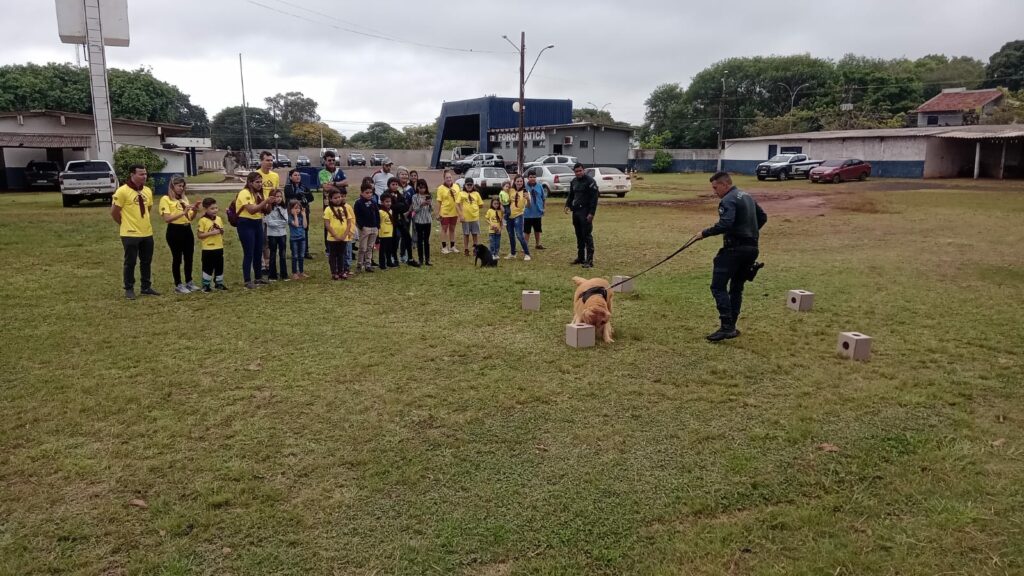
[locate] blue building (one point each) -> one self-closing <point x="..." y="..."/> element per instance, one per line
<point x="475" y="119"/>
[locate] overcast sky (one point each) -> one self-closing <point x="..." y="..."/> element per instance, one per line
<point x="606" y="51"/>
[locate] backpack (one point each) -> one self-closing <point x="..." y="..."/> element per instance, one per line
<point x="232" y="213"/>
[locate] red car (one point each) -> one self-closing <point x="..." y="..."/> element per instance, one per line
<point x="836" y="171"/>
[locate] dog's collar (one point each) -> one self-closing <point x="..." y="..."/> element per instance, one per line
<point x="592" y="291"/>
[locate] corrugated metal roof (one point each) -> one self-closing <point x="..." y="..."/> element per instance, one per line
<point x="960" y="101"/>
<point x="879" y="133"/>
<point x="573" y="125"/>
<point x="984" y="135"/>
<point x="167" y="127"/>
<point x="14" y="140"/>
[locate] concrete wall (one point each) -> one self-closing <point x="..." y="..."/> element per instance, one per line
<point x="683" y="159"/>
<point x="605" y="147"/>
<point x="889" y="157"/>
<point x="944" y="118"/>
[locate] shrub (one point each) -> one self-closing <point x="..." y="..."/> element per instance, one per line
<point x="662" y="162"/>
<point x="125" y="156"/>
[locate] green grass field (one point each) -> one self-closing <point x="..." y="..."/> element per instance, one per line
<point x="417" y="422"/>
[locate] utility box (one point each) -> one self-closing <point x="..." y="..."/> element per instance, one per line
<point x="580" y="335"/>
<point x="531" y="300"/>
<point x="854" y="345"/>
<point x="626" y="286"/>
<point x="800" y="300"/>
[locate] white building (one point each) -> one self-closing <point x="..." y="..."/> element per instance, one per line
<point x="958" y="107"/>
<point x="923" y="152"/>
<point x="64" y="136"/>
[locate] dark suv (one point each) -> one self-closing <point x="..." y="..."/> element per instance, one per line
<point x="356" y="159"/>
<point x="42" y="173"/>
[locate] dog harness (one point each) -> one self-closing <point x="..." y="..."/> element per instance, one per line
<point x="592" y="291"/>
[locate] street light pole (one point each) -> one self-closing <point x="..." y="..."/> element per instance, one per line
<point x="721" y="120"/>
<point x="522" y="100"/>
<point x="792" y="93"/>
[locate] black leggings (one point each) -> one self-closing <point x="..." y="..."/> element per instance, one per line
<point x="404" y="240"/>
<point x="179" y="238"/>
<point x="423" y="241"/>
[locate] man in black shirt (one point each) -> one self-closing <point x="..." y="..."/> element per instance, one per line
<point x="739" y="220"/>
<point x="582" y="202"/>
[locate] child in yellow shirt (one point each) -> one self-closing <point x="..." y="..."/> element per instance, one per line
<point x="386" y="236"/>
<point x="494" y="217"/>
<point x="211" y="239"/>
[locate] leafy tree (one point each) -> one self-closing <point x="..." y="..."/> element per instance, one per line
<point x="292" y="108"/>
<point x="1006" y="67"/>
<point x="226" y="129"/>
<point x="662" y="161"/>
<point x="125" y="156"/>
<point x="596" y="116"/>
<point x="1009" y="111"/>
<point x="420" y="137"/>
<point x="938" y="72"/>
<point x="795" y="121"/>
<point x="308" y="134"/>
<point x="379" y="135"/>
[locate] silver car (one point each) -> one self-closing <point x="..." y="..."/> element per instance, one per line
<point x="554" y="177"/>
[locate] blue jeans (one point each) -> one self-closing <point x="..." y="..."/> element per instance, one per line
<point x="495" y="243"/>
<point x="250" y="234"/>
<point x="347" y="258"/>
<point x="511" y="228"/>
<point x="278" y="257"/>
<point x="516" y="224"/>
<point x="298" y="255"/>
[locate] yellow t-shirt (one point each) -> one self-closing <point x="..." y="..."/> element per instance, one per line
<point x="215" y="242"/>
<point x="447" y="198"/>
<point x="169" y="206"/>
<point x="494" y="220"/>
<point x="270" y="181"/>
<point x="387" y="227"/>
<point x="133" y="223"/>
<point x="339" y="227"/>
<point x="246" y="197"/>
<point x="522" y="199"/>
<point x="471" y="203"/>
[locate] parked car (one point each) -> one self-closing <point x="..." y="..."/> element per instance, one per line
<point x="282" y="161"/>
<point x="356" y="159"/>
<point x="42" y="173"/>
<point x="87" y="180"/>
<point x="302" y="160"/>
<point x="569" y="161"/>
<point x="478" y="160"/>
<point x="555" y="178"/>
<point x="610" y="180"/>
<point x="377" y="159"/>
<point x="454" y="155"/>
<point x="488" y="180"/>
<point x="786" y="166"/>
<point x="840" y="170"/>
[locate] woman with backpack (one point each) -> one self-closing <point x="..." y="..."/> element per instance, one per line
<point x="246" y="213"/>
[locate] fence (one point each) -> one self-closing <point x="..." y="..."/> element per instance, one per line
<point x="683" y="160"/>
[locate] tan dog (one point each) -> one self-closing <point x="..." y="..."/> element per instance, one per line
<point x="592" y="304"/>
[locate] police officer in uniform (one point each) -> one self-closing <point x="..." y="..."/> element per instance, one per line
<point x="739" y="220"/>
<point x="582" y="202"/>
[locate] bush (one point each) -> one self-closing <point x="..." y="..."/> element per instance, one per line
<point x="125" y="156"/>
<point x="662" y="162"/>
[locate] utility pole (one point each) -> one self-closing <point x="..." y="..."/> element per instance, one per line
<point x="721" y="121"/>
<point x="245" y="121"/>
<point x="522" y="100"/>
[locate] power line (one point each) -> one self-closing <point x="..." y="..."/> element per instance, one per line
<point x="374" y="35"/>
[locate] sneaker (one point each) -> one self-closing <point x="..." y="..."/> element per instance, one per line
<point x="192" y="286"/>
<point x="308" y="256"/>
<point x="510" y="256"/>
<point x="262" y="281"/>
<point x="465" y="252"/>
<point x="587" y="265"/>
<point x="335" y="276"/>
<point x="303" y="275"/>
<point x="250" y="285"/>
<point x="527" y="258"/>
<point x="413" y="263"/>
<point x="367" y="269"/>
<point x="181" y="289"/>
<point x="129" y="294"/>
<point x="444" y="250"/>
<point x="149" y="292"/>
<point x="427" y="263"/>
<point x="221" y="287"/>
<point x="576" y="261"/>
<point x="722" y="334"/>
<point x="540" y="247"/>
<point x="207" y="289"/>
<point x="344" y="275"/>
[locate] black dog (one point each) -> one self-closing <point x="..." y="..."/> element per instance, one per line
<point x="484" y="256"/>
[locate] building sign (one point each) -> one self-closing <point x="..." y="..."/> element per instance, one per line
<point x="514" y="136"/>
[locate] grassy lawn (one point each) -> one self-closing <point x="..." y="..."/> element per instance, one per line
<point x="205" y="178"/>
<point x="417" y="422"/>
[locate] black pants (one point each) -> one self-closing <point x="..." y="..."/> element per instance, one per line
<point x="179" y="238"/>
<point x="336" y="257"/>
<point x="213" y="266"/>
<point x="405" y="241"/>
<point x="140" y="249"/>
<point x="423" y="242"/>
<point x="388" y="252"/>
<point x="278" y="256"/>
<point x="728" y="276"/>
<point x="584" y="236"/>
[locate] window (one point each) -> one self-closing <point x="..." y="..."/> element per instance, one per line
<point x="538" y="143"/>
<point x="933" y="120"/>
<point x="584" y="143"/>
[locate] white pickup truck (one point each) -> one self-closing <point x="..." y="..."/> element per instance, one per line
<point x="87" y="180"/>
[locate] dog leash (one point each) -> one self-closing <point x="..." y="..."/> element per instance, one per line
<point x="689" y="243"/>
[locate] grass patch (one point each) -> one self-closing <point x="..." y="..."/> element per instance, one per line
<point x="205" y="178"/>
<point x="417" y="422"/>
